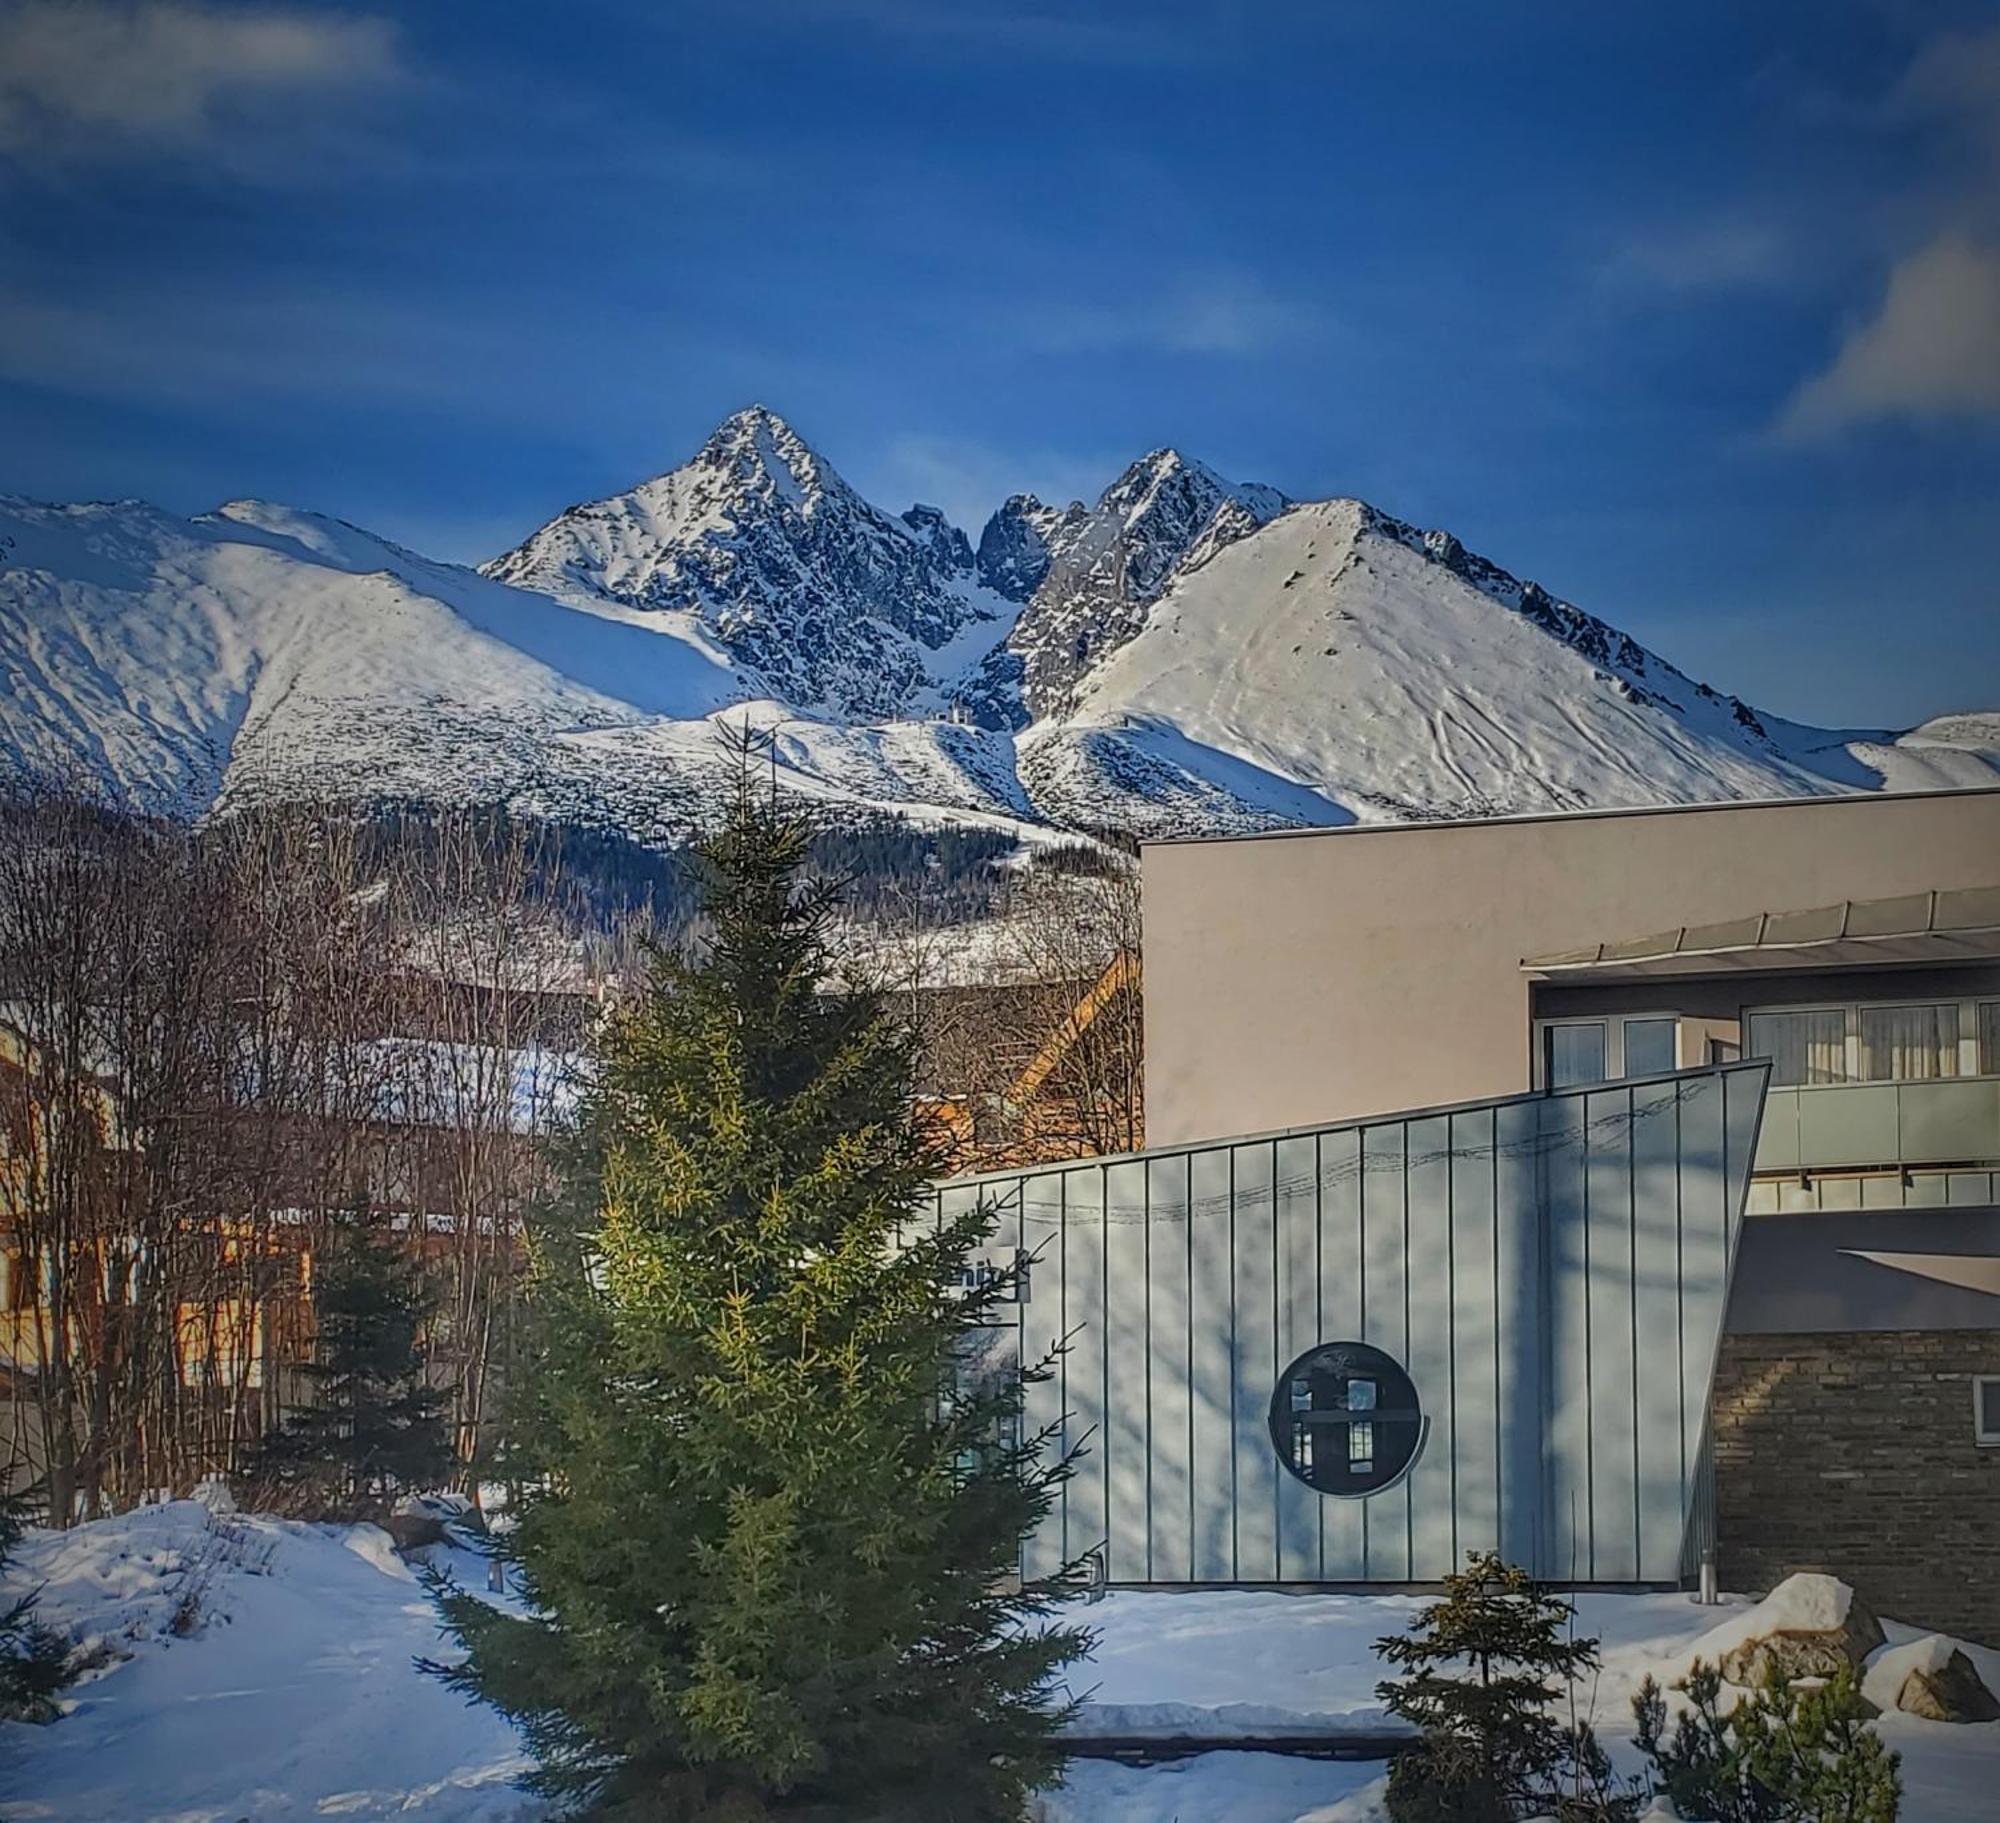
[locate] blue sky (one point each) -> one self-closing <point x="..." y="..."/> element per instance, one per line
<point x="1690" y="313"/>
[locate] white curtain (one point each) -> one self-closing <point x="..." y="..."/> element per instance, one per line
<point x="1908" y="1043"/>
<point x="1803" y="1047"/>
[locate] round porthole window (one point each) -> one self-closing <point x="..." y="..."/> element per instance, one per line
<point x="1346" y="1419"/>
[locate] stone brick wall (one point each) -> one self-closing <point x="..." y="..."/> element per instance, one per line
<point x="1854" y="1453"/>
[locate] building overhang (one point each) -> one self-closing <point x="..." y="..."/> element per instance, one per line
<point x="1915" y="929"/>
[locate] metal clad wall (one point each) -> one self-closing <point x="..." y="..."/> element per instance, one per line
<point x="1475" y="1334"/>
<point x="1297" y="1202"/>
<point x="1342" y="1558"/>
<point x="1429" y="1353"/>
<point x="1127" y="1358"/>
<point x="1255" y="1365"/>
<point x="1211" y="1348"/>
<point x="1171" y="1529"/>
<point x="1663" y="1453"/>
<point x="1550" y="1270"/>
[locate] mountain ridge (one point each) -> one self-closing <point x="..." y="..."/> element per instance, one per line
<point x="1187" y="654"/>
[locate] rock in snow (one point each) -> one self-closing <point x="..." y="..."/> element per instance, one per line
<point x="1931" y="1677"/>
<point x="1810" y="1625"/>
<point x="1185" y="655"/>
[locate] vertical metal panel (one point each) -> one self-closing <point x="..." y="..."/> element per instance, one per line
<point x="1084" y="1497"/>
<point x="1255" y="1365"/>
<point x="1127" y="1354"/>
<point x="1343" y="1554"/>
<point x="1171" y="1513"/>
<point x="1211" y="1418"/>
<point x="1042" y="1326"/>
<point x="1520" y="1202"/>
<point x="1663" y="1464"/>
<point x="1613" y="1554"/>
<point x="1297" y="1217"/>
<point x="1385" y="1517"/>
<point x="1475" y="1357"/>
<point x="1431" y="1486"/>
<point x="1569" y="1387"/>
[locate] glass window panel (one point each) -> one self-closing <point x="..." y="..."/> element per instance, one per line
<point x="1361" y="1395"/>
<point x="1908" y="1043"/>
<point x="1649" y="1046"/>
<point x="1989" y="1038"/>
<point x="1986" y="1407"/>
<point x="1361" y="1447"/>
<point x="1804" y="1048"/>
<point x="1574" y="1054"/>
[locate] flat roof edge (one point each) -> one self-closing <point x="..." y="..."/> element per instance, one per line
<point x="1596" y="813"/>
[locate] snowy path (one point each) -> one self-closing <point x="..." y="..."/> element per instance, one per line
<point x="296" y="1698"/>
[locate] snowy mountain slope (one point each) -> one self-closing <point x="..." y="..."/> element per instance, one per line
<point x="1338" y="665"/>
<point x="1187" y="654"/>
<point x="834" y="603"/>
<point x="259" y="652"/>
<point x="1087" y="576"/>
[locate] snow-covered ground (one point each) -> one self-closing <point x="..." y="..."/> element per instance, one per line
<point x="290" y="1690"/>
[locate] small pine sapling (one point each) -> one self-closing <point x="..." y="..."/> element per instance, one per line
<point x="374" y="1426"/>
<point x="35" y="1660"/>
<point x="1782" y="1753"/>
<point x="1486" y="1663"/>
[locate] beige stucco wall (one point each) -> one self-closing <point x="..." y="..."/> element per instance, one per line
<point x="1342" y="973"/>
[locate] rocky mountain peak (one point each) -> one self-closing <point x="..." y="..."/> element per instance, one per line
<point x="830" y="600"/>
<point x="1088" y="575"/>
<point x="951" y="548"/>
<point x="757" y="450"/>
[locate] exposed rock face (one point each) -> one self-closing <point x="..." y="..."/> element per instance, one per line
<point x="413" y="1531"/>
<point x="1097" y="572"/>
<point x="1014" y="547"/>
<point x="948" y="546"/>
<point x="1930" y="1677"/>
<point x="830" y="600"/>
<point x="1810" y="1625"/>
<point x="1954" y="1692"/>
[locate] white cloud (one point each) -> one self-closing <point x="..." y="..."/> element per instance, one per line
<point x="94" y="78"/>
<point x="1932" y="351"/>
<point x="1217" y="314"/>
<point x="1956" y="77"/>
<point x="1724" y="255"/>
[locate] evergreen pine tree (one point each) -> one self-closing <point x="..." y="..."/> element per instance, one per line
<point x="35" y="1660"/>
<point x="373" y="1426"/>
<point x="1487" y="1661"/>
<point x="770" y="1562"/>
<point x="1781" y="1753"/>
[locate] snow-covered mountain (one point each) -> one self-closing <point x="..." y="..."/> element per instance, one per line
<point x="841" y="608"/>
<point x="1184" y="654"/>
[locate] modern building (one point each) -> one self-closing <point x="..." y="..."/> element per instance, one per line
<point x="1565" y="989"/>
<point x="1312" y="975"/>
<point x="1352" y="1353"/>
